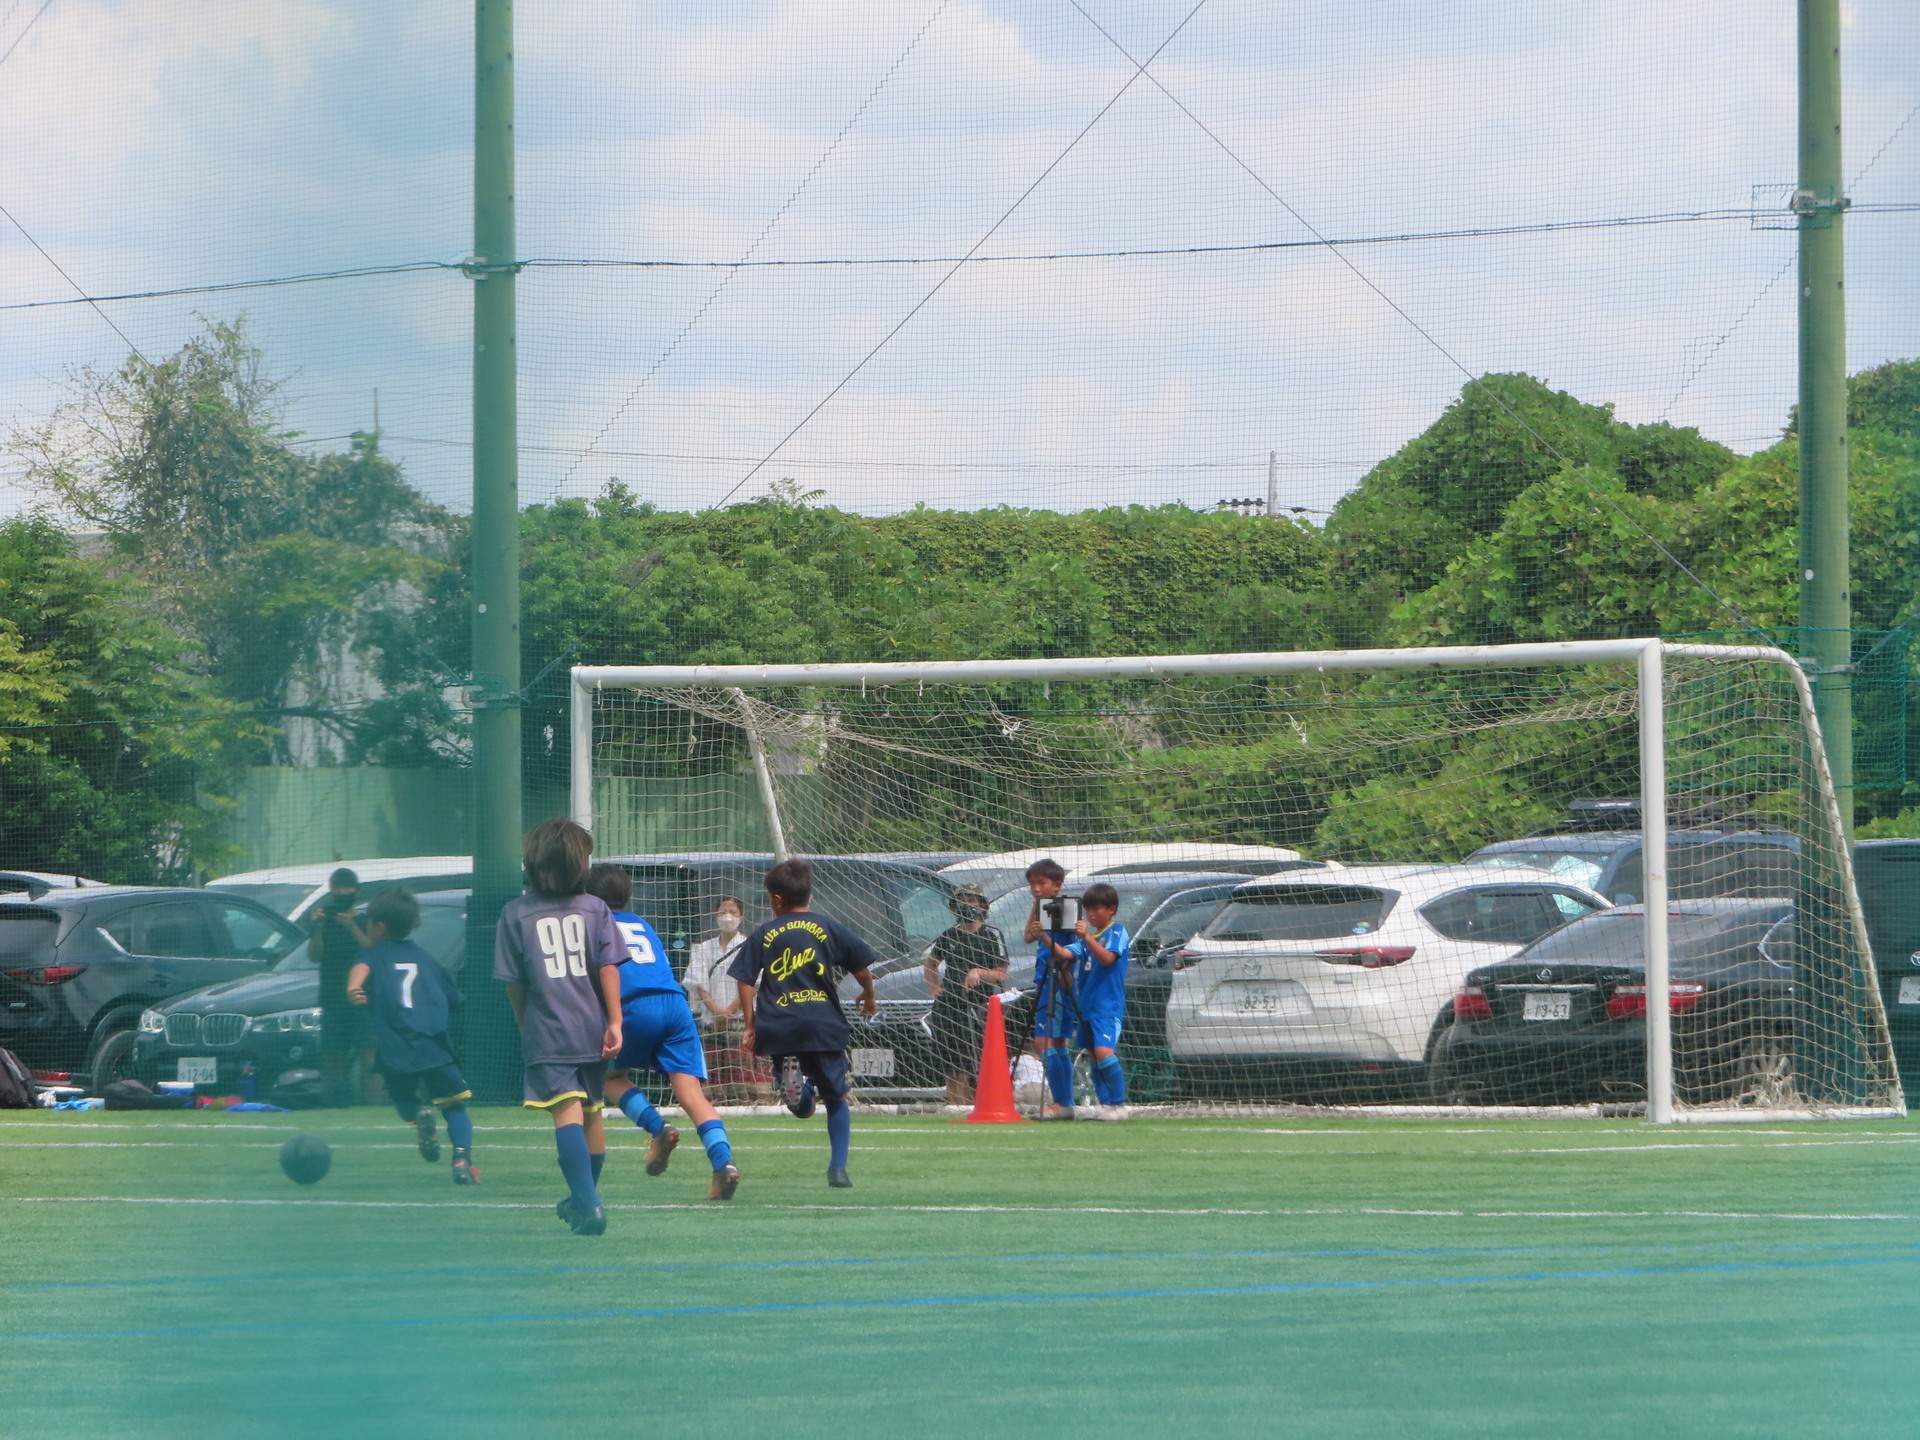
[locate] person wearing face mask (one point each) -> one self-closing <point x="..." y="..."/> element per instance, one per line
<point x="715" y="996"/>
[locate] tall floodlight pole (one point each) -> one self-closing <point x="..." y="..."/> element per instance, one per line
<point x="1826" y="589"/>
<point x="1825" y="990"/>
<point x="496" y="487"/>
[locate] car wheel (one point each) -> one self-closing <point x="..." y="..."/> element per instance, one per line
<point x="111" y="1058"/>
<point x="1438" y="1079"/>
<point x="1763" y="1070"/>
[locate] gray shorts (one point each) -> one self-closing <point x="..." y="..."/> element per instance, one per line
<point x="554" y="1082"/>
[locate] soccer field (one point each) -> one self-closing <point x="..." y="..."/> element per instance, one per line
<point x="1251" y="1277"/>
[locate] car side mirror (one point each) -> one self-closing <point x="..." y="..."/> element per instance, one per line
<point x="1624" y="898"/>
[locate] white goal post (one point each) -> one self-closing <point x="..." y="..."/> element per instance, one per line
<point x="1651" y="661"/>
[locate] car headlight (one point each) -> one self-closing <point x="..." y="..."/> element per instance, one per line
<point x="152" y="1022"/>
<point x="286" y="1020"/>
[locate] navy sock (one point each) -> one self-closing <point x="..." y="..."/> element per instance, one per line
<point x="713" y="1135"/>
<point x="599" y="1163"/>
<point x="576" y="1164"/>
<point x="1060" y="1077"/>
<point x="637" y="1108"/>
<point x="839" y="1132"/>
<point x="1110" y="1081"/>
<point x="459" y="1127"/>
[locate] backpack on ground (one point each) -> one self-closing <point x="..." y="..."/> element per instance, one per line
<point x="16" y="1084"/>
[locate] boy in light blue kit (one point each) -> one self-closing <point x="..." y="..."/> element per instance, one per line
<point x="1098" y="956"/>
<point x="659" y="1034"/>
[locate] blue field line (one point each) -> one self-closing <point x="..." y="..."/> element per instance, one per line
<point x="909" y="1302"/>
<point x="861" y="1262"/>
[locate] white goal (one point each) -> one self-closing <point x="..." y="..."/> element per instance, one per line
<point x="1601" y="874"/>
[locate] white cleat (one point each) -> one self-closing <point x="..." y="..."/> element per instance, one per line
<point x="1057" y="1112"/>
<point x="1105" y="1112"/>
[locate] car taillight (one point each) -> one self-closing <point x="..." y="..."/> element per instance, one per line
<point x="1628" y="1001"/>
<point x="1471" y="1004"/>
<point x="47" y="974"/>
<point x="53" y="1077"/>
<point x="1183" y="958"/>
<point x="1372" y="957"/>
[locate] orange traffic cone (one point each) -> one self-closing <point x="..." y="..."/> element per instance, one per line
<point x="993" y="1089"/>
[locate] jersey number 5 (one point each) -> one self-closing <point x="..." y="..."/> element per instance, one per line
<point x="563" y="945"/>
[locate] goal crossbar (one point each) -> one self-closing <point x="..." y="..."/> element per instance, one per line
<point x="1647" y="654"/>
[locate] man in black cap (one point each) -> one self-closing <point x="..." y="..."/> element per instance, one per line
<point x="964" y="967"/>
<point x="335" y="927"/>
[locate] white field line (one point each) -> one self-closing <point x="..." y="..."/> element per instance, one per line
<point x="1193" y="1211"/>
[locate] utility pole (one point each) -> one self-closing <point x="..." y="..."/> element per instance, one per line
<point x="1826" y="587"/>
<point x="496" y="505"/>
<point x="1273" y="483"/>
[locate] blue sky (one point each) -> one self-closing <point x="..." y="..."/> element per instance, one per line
<point x="152" y="145"/>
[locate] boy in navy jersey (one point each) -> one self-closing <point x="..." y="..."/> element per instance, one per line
<point x="559" y="953"/>
<point x="413" y="1001"/>
<point x="1098" y="955"/>
<point x="789" y="994"/>
<point x="657" y="1025"/>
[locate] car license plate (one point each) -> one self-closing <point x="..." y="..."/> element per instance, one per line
<point x="873" y="1064"/>
<point x="198" y="1070"/>
<point x="1548" y="1007"/>
<point x="1910" y="989"/>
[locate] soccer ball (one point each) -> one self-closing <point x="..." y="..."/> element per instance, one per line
<point x="306" y="1159"/>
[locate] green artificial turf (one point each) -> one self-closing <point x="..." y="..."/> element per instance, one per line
<point x="1202" y="1277"/>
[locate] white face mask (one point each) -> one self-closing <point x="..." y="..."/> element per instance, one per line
<point x="727" y="921"/>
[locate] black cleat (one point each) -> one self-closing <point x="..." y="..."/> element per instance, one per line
<point x="795" y="1093"/>
<point x="429" y="1141"/>
<point x="589" y="1222"/>
<point x="838" y="1180"/>
<point x="465" y="1172"/>
<point x="565" y="1209"/>
<point x="726" y="1180"/>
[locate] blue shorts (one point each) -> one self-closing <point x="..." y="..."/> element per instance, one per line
<point x="554" y="1082"/>
<point x="1088" y="1032"/>
<point x="659" y="1034"/>
<point x="1054" y="1018"/>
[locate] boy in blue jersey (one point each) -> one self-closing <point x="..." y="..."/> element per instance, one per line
<point x="1097" y="977"/>
<point x="413" y="1001"/>
<point x="660" y="1035"/>
<point x="1054" y="1011"/>
<point x="558" y="952"/>
<point x="790" y="996"/>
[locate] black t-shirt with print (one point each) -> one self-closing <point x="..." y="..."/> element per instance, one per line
<point x="792" y="962"/>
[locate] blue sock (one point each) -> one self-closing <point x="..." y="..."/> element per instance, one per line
<point x="637" y="1108"/>
<point x="575" y="1163"/>
<point x="1110" y="1081"/>
<point x="839" y="1132"/>
<point x="1060" y="1077"/>
<point x="459" y="1127"/>
<point x="713" y="1135"/>
<point x="598" y="1163"/>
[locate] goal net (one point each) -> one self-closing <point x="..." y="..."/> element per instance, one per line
<point x="1603" y="874"/>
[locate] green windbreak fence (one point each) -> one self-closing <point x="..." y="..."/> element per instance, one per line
<point x="932" y="329"/>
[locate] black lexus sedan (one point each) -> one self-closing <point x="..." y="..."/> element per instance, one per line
<point x="77" y="966"/>
<point x="258" y="1035"/>
<point x="1565" y="1018"/>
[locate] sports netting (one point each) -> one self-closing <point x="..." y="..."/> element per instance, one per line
<point x="943" y="330"/>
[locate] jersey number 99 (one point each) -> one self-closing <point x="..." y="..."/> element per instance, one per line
<point x="563" y="944"/>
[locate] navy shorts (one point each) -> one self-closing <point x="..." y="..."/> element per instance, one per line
<point x="828" y="1071"/>
<point x="442" y="1085"/>
<point x="554" y="1082"/>
<point x="659" y="1034"/>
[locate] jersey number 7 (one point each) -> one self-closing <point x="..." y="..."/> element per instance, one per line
<point x="408" y="969"/>
<point x="563" y="944"/>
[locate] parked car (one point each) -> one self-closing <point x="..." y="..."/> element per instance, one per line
<point x="294" y="889"/>
<point x="1600" y="844"/>
<point x="1309" y="982"/>
<point x="1160" y="911"/>
<point x="1888" y="874"/>
<point x="35" y="883"/>
<point x="1565" y="1018"/>
<point x="999" y="873"/>
<point x="78" y="966"/>
<point x="246" y="1036"/>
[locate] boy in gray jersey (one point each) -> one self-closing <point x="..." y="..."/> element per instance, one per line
<point x="559" y="952"/>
